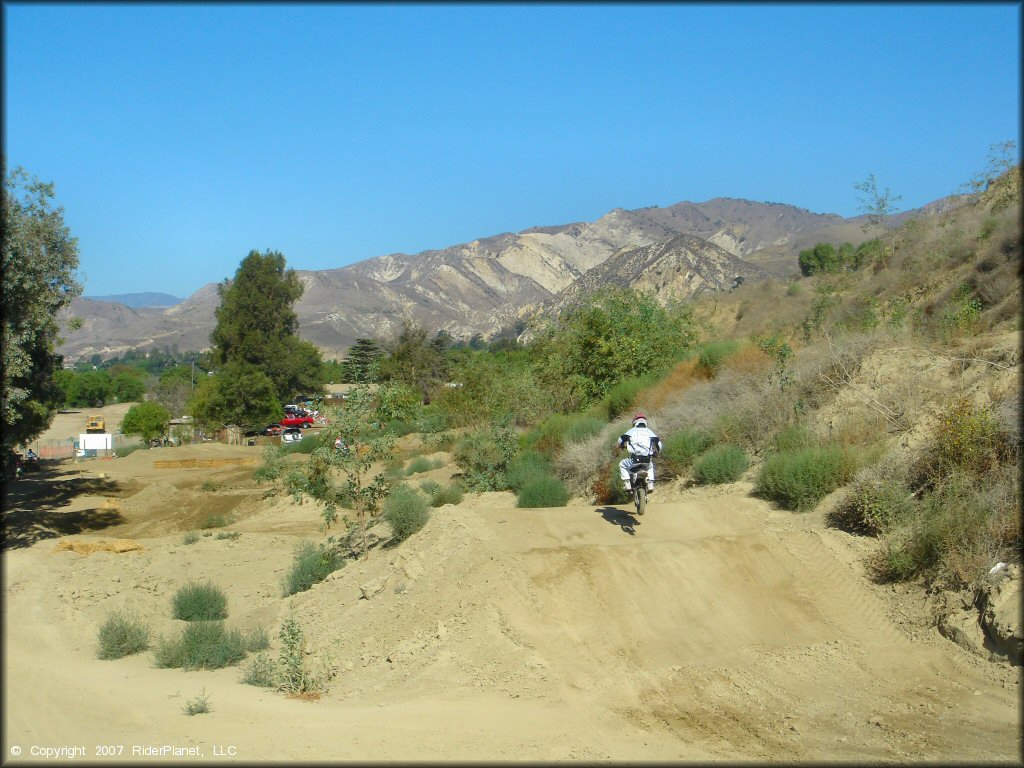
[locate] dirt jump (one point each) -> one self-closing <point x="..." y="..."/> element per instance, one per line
<point x="714" y="628"/>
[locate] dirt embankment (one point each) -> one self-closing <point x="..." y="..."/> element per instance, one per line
<point x="713" y="628"/>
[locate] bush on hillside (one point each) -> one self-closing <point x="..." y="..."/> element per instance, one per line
<point x="306" y="445"/>
<point x="446" y="494"/>
<point x="799" y="479"/>
<point x="485" y="456"/>
<point x="958" y="531"/>
<point x="557" y="430"/>
<point x="121" y="635"/>
<point x="542" y="491"/>
<point x="200" y="602"/>
<point x="713" y="354"/>
<point x="794" y="437"/>
<point x="311" y="564"/>
<point x="679" y="451"/>
<point x="624" y="395"/>
<point x="528" y="465"/>
<point x="721" y="464"/>
<point x="419" y="464"/>
<point x="406" y="511"/>
<point x="202" y="645"/>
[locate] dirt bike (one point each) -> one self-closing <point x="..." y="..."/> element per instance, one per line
<point x="638" y="483"/>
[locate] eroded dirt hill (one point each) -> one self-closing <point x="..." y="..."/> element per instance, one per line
<point x="713" y="628"/>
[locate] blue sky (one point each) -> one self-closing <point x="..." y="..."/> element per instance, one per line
<point x="180" y="137"/>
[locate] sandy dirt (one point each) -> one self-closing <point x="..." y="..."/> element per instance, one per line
<point x="712" y="628"/>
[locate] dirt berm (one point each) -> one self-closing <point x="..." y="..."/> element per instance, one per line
<point x="713" y="628"/>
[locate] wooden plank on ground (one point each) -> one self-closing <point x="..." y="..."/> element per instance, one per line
<point x="243" y="461"/>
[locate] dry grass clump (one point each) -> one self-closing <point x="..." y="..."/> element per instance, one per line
<point x="580" y="464"/>
<point x="678" y="379"/>
<point x="88" y="547"/>
<point x="747" y="359"/>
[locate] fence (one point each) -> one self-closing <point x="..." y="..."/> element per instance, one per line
<point x="68" y="448"/>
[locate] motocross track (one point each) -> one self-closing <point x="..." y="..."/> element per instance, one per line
<point x="713" y="628"/>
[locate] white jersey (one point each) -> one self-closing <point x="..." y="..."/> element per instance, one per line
<point x="640" y="441"/>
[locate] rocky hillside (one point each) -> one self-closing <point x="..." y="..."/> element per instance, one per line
<point x="484" y="285"/>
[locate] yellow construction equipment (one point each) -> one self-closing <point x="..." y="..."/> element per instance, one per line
<point x="95" y="424"/>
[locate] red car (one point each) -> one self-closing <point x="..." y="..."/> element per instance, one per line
<point x="304" y="422"/>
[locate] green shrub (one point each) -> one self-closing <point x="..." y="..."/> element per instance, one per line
<point x="721" y="464"/>
<point x="713" y="354"/>
<point x="449" y="494"/>
<point x="311" y="564"/>
<point x="419" y="464"/>
<point x="209" y="485"/>
<point x="260" y="672"/>
<point x="272" y="467"/>
<point x="795" y="438"/>
<point x="581" y="427"/>
<point x="429" y="487"/>
<point x="679" y="450"/>
<point x="798" y="480"/>
<point x="228" y="535"/>
<point x="200" y="602"/>
<point x="542" y="491"/>
<point x="400" y="427"/>
<point x="622" y="396"/>
<point x="557" y="430"/>
<point x="191" y="537"/>
<point x="127" y="450"/>
<point x="306" y="445"/>
<point x="406" y="512"/>
<point x="121" y="635"/>
<point x="527" y="466"/>
<point x="215" y="521"/>
<point x="201" y="645"/>
<point x="485" y="455"/>
<point x="432" y="420"/>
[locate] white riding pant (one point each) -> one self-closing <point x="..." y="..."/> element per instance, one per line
<point x="627" y="464"/>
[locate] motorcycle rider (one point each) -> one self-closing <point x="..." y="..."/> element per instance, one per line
<point x="642" y="443"/>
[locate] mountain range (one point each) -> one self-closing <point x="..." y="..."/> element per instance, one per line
<point x="139" y="300"/>
<point x="490" y="284"/>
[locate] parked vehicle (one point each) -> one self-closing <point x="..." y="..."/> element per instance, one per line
<point x="291" y="435"/>
<point x="272" y="429"/>
<point x="304" y="422"/>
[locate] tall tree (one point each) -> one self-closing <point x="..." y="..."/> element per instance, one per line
<point x="256" y="327"/>
<point x="361" y="361"/>
<point x="239" y="394"/>
<point x="39" y="261"/>
<point x="413" y="360"/>
<point x="615" y="334"/>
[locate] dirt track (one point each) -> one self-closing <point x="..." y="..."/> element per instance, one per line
<point x="713" y="628"/>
